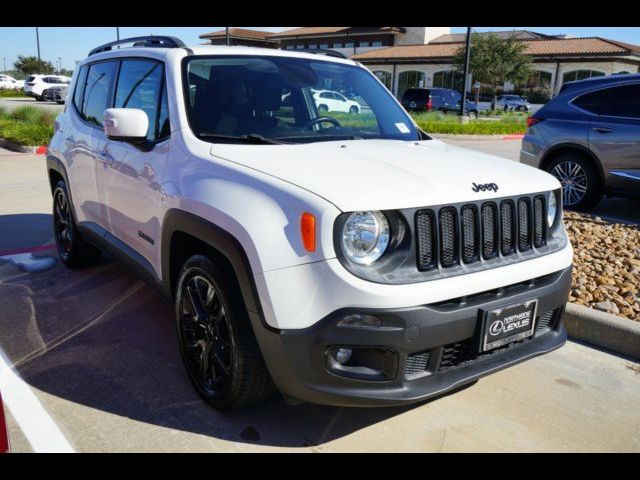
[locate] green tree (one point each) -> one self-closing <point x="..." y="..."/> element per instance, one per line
<point x="29" y="65"/>
<point x="495" y="60"/>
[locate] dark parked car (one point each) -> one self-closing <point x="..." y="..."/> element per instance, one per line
<point x="435" y="99"/>
<point x="589" y="138"/>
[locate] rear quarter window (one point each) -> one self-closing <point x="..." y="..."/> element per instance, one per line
<point x="619" y="101"/>
<point x="79" y="88"/>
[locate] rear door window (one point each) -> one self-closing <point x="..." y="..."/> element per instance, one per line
<point x="622" y="101"/>
<point x="97" y="91"/>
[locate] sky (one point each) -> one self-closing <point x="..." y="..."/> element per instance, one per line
<point x="72" y="44"/>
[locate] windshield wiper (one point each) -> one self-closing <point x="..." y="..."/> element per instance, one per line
<point x="323" y="138"/>
<point x="250" y="138"/>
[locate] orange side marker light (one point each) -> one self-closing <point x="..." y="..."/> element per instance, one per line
<point x="308" y="231"/>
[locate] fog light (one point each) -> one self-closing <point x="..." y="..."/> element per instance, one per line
<point x="343" y="355"/>
<point x="361" y="362"/>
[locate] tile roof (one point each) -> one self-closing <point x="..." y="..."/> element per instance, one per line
<point x="519" y="34"/>
<point x="537" y="47"/>
<point x="307" y="31"/>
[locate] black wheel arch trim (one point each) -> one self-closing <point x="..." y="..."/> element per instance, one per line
<point x="546" y="158"/>
<point x="180" y="221"/>
<point x="55" y="164"/>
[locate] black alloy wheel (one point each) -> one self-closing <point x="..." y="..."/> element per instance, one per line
<point x="217" y="342"/>
<point x="205" y="334"/>
<point x="63" y="224"/>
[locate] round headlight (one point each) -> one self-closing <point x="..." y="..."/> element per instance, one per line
<point x="365" y="237"/>
<point x="552" y="209"/>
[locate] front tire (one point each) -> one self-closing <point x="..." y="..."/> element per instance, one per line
<point x="73" y="250"/>
<point x="354" y="110"/>
<point x="217" y="343"/>
<point x="581" y="186"/>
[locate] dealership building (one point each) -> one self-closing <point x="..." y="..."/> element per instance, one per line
<point x="406" y="57"/>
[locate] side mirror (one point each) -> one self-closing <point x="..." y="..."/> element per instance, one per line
<point x="126" y="124"/>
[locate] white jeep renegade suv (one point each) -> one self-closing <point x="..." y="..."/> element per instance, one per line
<point x="342" y="259"/>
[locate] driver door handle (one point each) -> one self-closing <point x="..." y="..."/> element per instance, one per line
<point x="602" y="129"/>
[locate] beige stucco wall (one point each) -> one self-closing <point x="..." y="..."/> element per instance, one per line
<point x="417" y="35"/>
<point x="429" y="69"/>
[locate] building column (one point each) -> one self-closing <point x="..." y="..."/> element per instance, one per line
<point x="556" y="81"/>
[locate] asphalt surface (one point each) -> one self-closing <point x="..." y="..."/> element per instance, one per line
<point x="10" y="104"/>
<point x="96" y="367"/>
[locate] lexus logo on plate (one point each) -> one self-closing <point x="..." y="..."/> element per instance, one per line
<point x="513" y="322"/>
<point x="483" y="187"/>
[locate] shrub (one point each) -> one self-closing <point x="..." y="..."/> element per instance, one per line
<point x="27" y="126"/>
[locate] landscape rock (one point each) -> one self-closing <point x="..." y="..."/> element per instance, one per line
<point x="606" y="264"/>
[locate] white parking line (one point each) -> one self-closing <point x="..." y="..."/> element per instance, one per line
<point x="36" y="424"/>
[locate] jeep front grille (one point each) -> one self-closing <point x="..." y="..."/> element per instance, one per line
<point x="452" y="235"/>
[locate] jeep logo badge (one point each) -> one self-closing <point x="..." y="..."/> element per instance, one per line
<point x="483" y="187"/>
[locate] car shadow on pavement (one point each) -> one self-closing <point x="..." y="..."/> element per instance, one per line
<point x="100" y="338"/>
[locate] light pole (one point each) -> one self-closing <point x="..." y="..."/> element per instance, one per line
<point x="4" y="60"/>
<point x="227" y="36"/>
<point x="38" y="43"/>
<point x="467" y="54"/>
<point x="118" y="33"/>
<point x="59" y="65"/>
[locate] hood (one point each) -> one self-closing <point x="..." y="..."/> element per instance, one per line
<point x="384" y="174"/>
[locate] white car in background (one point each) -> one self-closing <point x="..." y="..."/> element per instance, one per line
<point x="9" y="83"/>
<point x="330" y="101"/>
<point x="35" y="85"/>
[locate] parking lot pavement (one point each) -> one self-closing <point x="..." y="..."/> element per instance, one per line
<point x="95" y="354"/>
<point x="98" y="350"/>
<point x="25" y="215"/>
<point x="10" y="104"/>
<point x="615" y="208"/>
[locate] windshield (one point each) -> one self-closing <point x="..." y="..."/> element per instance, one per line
<point x="289" y="100"/>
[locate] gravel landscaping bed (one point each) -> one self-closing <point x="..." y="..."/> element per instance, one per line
<point x="606" y="274"/>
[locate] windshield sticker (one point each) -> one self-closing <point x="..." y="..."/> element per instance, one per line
<point x="402" y="127"/>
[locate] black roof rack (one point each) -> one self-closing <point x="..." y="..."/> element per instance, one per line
<point x="321" y="51"/>
<point x="149" y="41"/>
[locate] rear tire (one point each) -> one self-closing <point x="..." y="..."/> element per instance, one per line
<point x="217" y="343"/>
<point x="73" y="250"/>
<point x="581" y="185"/>
<point x="323" y="109"/>
<point x="354" y="110"/>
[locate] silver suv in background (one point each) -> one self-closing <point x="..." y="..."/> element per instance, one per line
<point x="588" y="137"/>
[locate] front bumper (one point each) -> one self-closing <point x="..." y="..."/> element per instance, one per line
<point x="430" y="349"/>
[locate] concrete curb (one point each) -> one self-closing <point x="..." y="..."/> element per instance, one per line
<point x="603" y="330"/>
<point x="41" y="150"/>
<point x="517" y="136"/>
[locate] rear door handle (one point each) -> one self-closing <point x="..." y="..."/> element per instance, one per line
<point x="602" y="129"/>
